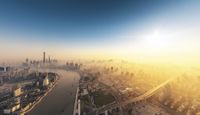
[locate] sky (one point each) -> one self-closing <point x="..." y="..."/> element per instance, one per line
<point x="166" y="30"/>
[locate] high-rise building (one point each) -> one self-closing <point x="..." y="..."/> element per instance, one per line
<point x="49" y="59"/>
<point x="46" y="80"/>
<point x="27" y="60"/>
<point x="44" y="57"/>
<point x="17" y="90"/>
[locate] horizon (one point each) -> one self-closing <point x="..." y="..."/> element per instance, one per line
<point x="154" y="31"/>
<point x="99" y="57"/>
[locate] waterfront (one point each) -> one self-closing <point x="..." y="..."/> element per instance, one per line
<point x="60" y="100"/>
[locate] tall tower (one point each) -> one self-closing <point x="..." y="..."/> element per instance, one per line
<point x="49" y="59"/>
<point x="27" y="60"/>
<point x="44" y="57"/>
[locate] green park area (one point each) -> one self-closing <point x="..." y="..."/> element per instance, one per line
<point x="101" y="98"/>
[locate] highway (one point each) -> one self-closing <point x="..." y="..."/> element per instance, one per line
<point x="136" y="99"/>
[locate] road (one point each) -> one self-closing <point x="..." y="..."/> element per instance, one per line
<point x="136" y="99"/>
<point x="60" y="100"/>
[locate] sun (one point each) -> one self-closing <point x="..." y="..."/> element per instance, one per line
<point x="156" y="33"/>
<point x="149" y="43"/>
<point x="155" y="41"/>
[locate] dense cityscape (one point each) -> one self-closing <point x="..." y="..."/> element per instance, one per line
<point x="105" y="87"/>
<point x="99" y="57"/>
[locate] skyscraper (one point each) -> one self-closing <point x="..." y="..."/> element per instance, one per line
<point x="43" y="57"/>
<point x="49" y="59"/>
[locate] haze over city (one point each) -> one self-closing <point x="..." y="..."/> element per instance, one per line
<point x="99" y="57"/>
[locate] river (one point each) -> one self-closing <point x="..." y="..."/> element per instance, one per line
<point x="60" y="100"/>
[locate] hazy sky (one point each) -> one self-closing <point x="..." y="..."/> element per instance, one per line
<point x="127" y="28"/>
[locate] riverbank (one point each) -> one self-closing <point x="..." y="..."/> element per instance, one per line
<point x="76" y="106"/>
<point x="60" y="101"/>
<point x="30" y="106"/>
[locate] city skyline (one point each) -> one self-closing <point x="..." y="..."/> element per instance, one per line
<point x="99" y="57"/>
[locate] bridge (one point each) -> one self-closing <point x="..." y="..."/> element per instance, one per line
<point x="135" y="100"/>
